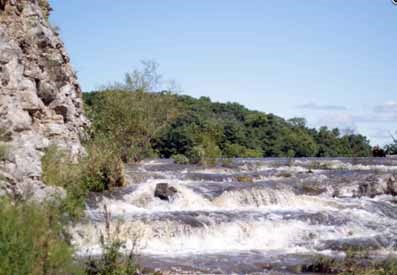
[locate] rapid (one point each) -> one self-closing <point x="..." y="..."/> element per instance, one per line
<point x="247" y="216"/>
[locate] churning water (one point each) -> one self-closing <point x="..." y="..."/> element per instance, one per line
<point x="247" y="216"/>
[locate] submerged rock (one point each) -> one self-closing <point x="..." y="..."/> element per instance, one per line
<point x="164" y="192"/>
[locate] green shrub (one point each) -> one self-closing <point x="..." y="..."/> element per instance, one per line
<point x="180" y="159"/>
<point x="101" y="169"/>
<point x="32" y="240"/>
<point x="131" y="120"/>
<point x="233" y="150"/>
<point x="196" y="155"/>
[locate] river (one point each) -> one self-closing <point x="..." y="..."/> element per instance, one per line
<point x="248" y="216"/>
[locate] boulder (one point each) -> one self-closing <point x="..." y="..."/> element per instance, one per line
<point x="164" y="192"/>
<point x="391" y="187"/>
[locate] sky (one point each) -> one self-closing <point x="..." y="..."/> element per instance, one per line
<point x="330" y="61"/>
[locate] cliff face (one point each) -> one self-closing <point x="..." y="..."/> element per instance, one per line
<point x="40" y="98"/>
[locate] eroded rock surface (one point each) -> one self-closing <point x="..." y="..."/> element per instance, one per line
<point x="40" y="98"/>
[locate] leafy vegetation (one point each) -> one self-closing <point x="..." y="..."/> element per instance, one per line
<point x="146" y="124"/>
<point x="99" y="170"/>
<point x="180" y="159"/>
<point x="33" y="240"/>
<point x="143" y="123"/>
<point x="130" y="120"/>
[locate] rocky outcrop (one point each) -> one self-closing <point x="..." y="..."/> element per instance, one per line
<point x="40" y="98"/>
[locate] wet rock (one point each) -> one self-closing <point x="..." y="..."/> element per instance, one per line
<point x="164" y="192"/>
<point x="391" y="187"/>
<point x="369" y="188"/>
<point x="312" y="189"/>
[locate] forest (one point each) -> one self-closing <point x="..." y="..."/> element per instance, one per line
<point x="145" y="124"/>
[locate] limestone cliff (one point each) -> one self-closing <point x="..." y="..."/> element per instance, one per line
<point x="40" y="98"/>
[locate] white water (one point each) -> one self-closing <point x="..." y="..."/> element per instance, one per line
<point x="276" y="214"/>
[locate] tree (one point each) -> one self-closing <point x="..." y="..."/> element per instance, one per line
<point x="391" y="149"/>
<point x="146" y="79"/>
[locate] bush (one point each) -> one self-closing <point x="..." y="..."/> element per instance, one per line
<point x="103" y="168"/>
<point x="131" y="120"/>
<point x="59" y="170"/>
<point x="100" y="170"/>
<point x="196" y="155"/>
<point x="32" y="240"/>
<point x="180" y="159"/>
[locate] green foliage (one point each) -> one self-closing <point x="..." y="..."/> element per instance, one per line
<point x="391" y="149"/>
<point x="196" y="155"/>
<point x="101" y="169"/>
<point x="32" y="240"/>
<point x="180" y="159"/>
<point x="237" y="150"/>
<point x="59" y="170"/>
<point x="239" y="132"/>
<point x="130" y="120"/>
<point x="145" y="124"/>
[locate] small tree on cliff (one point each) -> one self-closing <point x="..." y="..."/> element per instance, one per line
<point x="391" y="148"/>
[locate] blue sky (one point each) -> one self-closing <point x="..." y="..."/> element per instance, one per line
<point x="330" y="61"/>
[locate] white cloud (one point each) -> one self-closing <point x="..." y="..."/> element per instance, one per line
<point x="319" y="107"/>
<point x="388" y="107"/>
